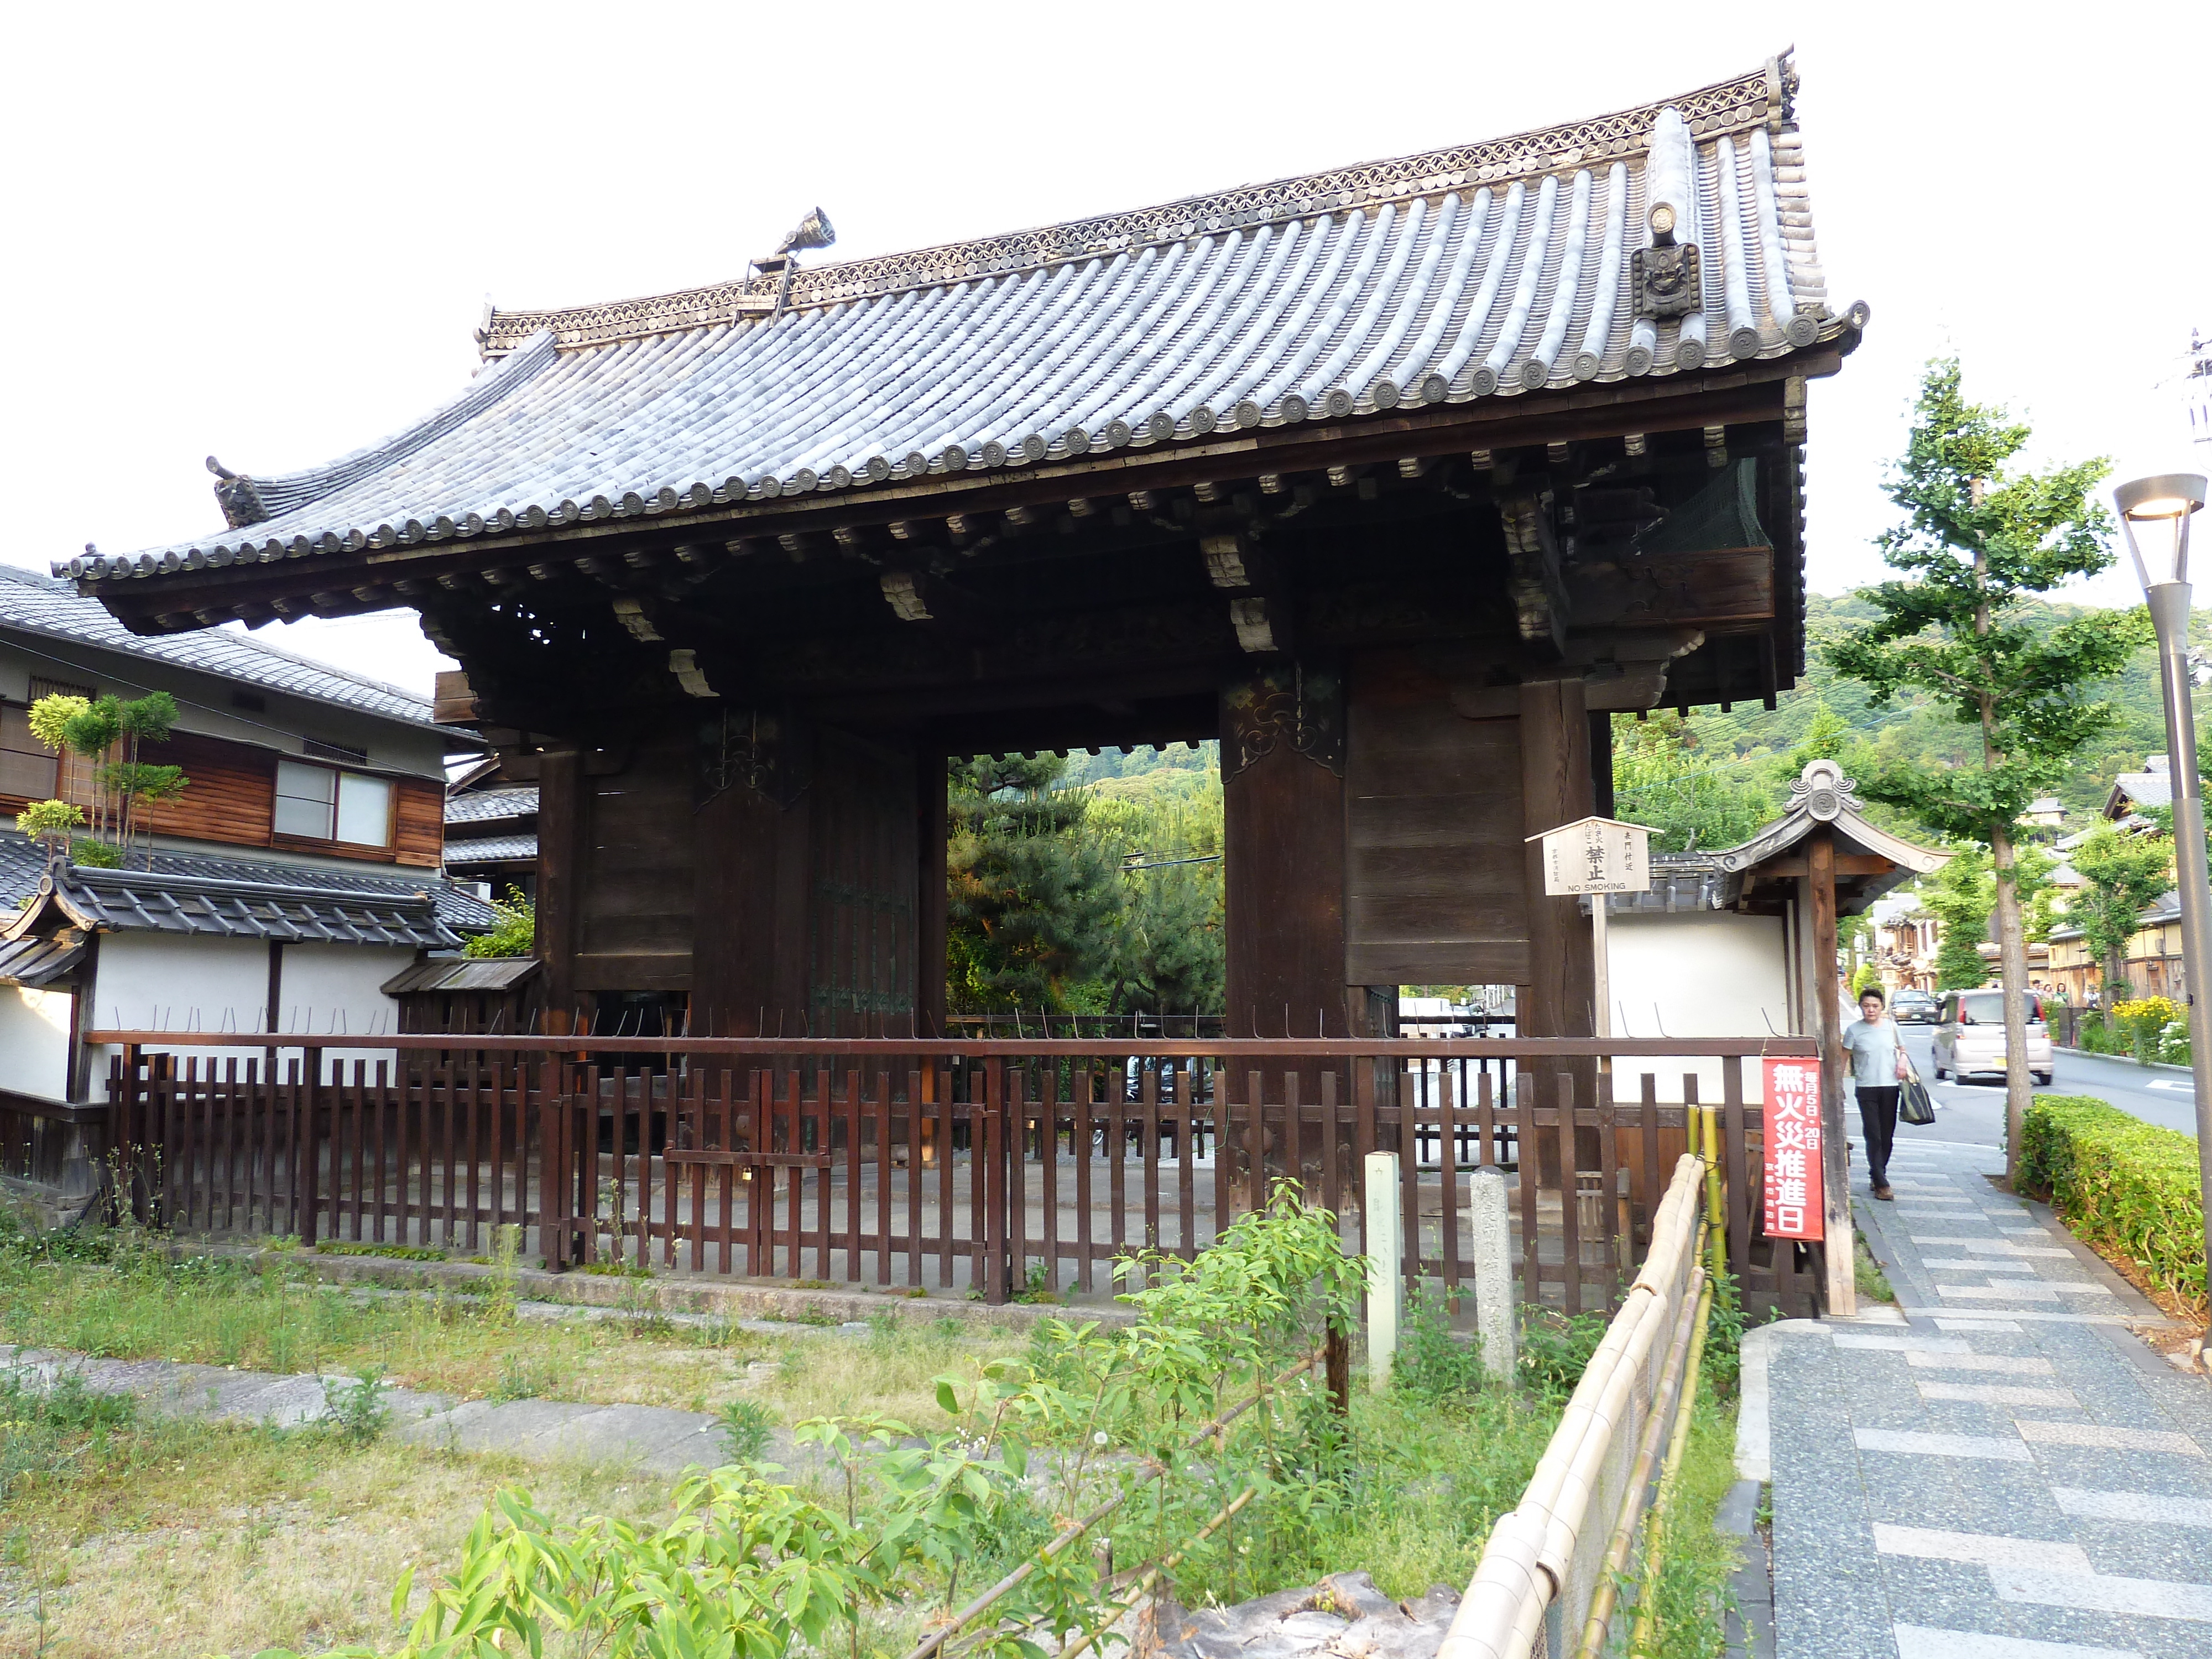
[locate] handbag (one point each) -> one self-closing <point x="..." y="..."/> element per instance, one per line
<point x="1914" y="1103"/>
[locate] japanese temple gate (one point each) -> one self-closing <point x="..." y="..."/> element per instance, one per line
<point x="1398" y="479"/>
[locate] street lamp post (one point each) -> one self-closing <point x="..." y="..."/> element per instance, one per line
<point x="2154" y="512"/>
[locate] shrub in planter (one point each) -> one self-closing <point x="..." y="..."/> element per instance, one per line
<point x="2122" y="1183"/>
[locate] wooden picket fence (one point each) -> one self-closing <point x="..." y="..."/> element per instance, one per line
<point x="995" y="1167"/>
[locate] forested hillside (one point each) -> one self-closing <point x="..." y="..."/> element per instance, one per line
<point x="1722" y="774"/>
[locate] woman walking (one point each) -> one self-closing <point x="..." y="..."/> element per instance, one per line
<point x="1877" y="1067"/>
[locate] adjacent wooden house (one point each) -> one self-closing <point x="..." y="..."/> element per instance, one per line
<point x="1401" y="479"/>
<point x="297" y="872"/>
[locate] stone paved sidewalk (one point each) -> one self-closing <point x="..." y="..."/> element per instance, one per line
<point x="2005" y="1470"/>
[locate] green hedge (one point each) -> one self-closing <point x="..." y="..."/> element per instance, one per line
<point x="2120" y="1182"/>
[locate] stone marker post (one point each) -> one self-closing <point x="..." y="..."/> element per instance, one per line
<point x="1386" y="1278"/>
<point x="1493" y="1272"/>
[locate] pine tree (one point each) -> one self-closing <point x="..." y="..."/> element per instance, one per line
<point x="1960" y="898"/>
<point x="1030" y="901"/>
<point x="1979" y="542"/>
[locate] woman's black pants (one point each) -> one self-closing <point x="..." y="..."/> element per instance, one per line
<point x="1878" y="1117"/>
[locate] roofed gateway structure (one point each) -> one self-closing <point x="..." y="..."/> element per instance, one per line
<point x="1399" y="479"/>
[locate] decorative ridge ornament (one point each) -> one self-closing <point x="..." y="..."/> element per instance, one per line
<point x="236" y="493"/>
<point x="1823" y="792"/>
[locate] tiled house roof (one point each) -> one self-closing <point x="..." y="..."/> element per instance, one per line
<point x="36" y="605"/>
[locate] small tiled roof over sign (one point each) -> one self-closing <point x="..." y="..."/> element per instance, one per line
<point x="34" y="604"/>
<point x="1488" y="270"/>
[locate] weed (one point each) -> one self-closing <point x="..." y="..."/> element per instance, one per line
<point x="1867" y="1276"/>
<point x="614" y="1270"/>
<point x="358" y="1410"/>
<point x="744" y="1426"/>
<point x="1037" y="1285"/>
<point x="1431" y="1364"/>
<point x="521" y="1379"/>
<point x="507" y="1242"/>
<point x="1555" y="1347"/>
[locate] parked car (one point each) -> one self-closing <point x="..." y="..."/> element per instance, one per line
<point x="1913" y="1008"/>
<point x="1970" y="1037"/>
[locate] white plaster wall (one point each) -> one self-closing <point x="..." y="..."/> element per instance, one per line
<point x="334" y="988"/>
<point x="34" y="1028"/>
<point x="171" y="982"/>
<point x="164" y="982"/>
<point x="1699" y="974"/>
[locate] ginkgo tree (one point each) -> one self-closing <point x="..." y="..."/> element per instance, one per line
<point x="1982" y="538"/>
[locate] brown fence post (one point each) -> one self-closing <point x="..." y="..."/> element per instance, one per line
<point x="307" y="1150"/>
<point x="990" y="1170"/>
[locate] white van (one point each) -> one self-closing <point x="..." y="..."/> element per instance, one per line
<point x="1970" y="1037"/>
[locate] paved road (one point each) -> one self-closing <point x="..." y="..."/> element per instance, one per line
<point x="1973" y="1113"/>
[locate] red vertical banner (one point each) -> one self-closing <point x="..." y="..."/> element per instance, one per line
<point x="1794" y="1204"/>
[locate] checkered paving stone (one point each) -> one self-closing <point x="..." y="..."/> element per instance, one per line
<point x="2020" y="1477"/>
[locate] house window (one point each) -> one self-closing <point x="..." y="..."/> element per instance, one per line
<point x="27" y="767"/>
<point x="25" y="761"/>
<point x="316" y="803"/>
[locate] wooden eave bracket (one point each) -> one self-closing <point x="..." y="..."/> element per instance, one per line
<point x="1534" y="583"/>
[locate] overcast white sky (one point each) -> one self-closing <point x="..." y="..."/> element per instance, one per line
<point x="267" y="233"/>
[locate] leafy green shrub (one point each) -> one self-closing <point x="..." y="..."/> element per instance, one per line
<point x="2120" y="1182"/>
<point x="515" y="931"/>
<point x="43" y="817"/>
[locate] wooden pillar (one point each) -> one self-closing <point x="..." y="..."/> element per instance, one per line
<point x="560" y="872"/>
<point x="932" y="830"/>
<point x="751" y="882"/>
<point x="1827" y="999"/>
<point x="1560" y="997"/>
<point x="1282" y="779"/>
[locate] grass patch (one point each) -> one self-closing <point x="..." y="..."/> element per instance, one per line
<point x="143" y="1535"/>
<point x="117" y="1296"/>
<point x="396" y="1252"/>
<point x="1692" y="1592"/>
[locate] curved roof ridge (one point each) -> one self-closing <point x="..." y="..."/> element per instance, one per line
<point x="284" y="492"/>
<point x="1762" y="99"/>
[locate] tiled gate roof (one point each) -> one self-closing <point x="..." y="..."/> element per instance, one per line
<point x="1484" y="270"/>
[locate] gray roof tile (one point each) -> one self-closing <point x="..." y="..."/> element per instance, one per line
<point x="1487" y="269"/>
<point x="492" y="805"/>
<point x="490" y="849"/>
<point x="430" y="906"/>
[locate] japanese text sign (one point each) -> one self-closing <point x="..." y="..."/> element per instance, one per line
<point x="1794" y="1199"/>
<point x="1596" y="855"/>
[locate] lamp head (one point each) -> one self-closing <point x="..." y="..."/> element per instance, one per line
<point x="2154" y="515"/>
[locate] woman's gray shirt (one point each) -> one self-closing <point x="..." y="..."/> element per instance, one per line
<point x="1873" y="1049"/>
